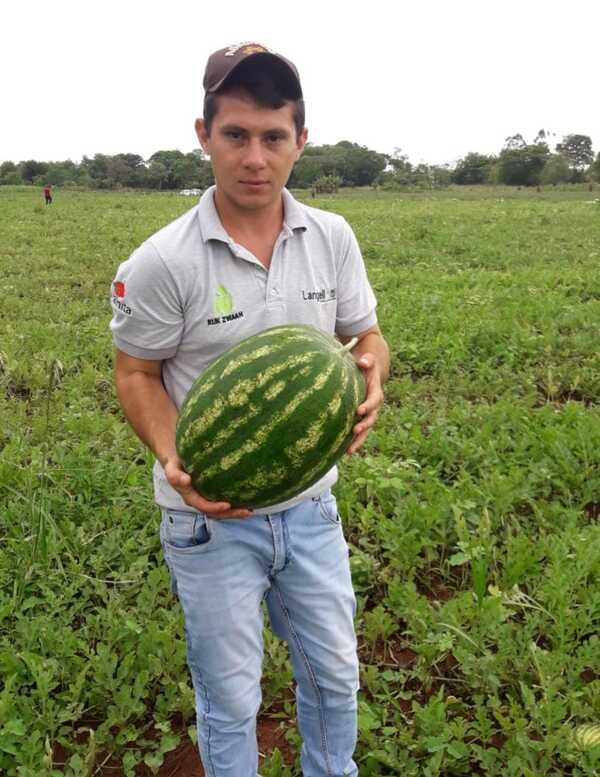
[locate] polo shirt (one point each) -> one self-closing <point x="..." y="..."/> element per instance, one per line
<point x="189" y="292"/>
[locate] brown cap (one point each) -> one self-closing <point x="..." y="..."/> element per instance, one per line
<point x="222" y="63"/>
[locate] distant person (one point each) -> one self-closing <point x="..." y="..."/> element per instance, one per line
<point x="249" y="232"/>
<point x="48" y="193"/>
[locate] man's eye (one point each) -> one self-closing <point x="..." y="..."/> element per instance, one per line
<point x="233" y="134"/>
<point x="273" y="138"/>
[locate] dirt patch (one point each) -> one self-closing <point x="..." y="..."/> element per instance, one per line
<point x="437" y="590"/>
<point x="20" y="391"/>
<point x="184" y="760"/>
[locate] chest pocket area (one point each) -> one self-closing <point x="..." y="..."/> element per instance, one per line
<point x="316" y="305"/>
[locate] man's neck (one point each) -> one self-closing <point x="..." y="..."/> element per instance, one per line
<point x="237" y="222"/>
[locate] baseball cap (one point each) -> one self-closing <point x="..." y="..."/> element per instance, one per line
<point x="223" y="62"/>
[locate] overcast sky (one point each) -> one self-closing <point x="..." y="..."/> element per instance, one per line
<point x="437" y="78"/>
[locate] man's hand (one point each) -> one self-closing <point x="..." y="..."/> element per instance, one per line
<point x="180" y="480"/>
<point x="369" y="409"/>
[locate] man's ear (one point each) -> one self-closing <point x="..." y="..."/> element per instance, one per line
<point x="203" y="136"/>
<point x="301" y="142"/>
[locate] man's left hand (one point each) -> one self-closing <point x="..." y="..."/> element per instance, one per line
<point x="369" y="409"/>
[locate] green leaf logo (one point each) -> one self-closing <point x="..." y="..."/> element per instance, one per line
<point x="223" y="302"/>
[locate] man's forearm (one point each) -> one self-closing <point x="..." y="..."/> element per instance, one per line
<point x="150" y="412"/>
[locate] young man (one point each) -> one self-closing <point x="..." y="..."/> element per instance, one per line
<point x="48" y="193"/>
<point x="250" y="242"/>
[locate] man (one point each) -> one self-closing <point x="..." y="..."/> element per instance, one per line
<point x="251" y="245"/>
<point x="48" y="193"/>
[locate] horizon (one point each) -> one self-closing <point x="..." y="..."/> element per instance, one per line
<point x="435" y="80"/>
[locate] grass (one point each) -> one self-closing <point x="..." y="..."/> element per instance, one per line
<point x="472" y="513"/>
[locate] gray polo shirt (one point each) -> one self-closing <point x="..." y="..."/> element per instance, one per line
<point x="189" y="292"/>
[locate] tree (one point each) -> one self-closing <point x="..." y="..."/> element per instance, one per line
<point x="577" y="149"/>
<point x="31" y="169"/>
<point x="97" y="169"/>
<point x="59" y="173"/>
<point x="9" y="174"/>
<point x="355" y="165"/>
<point x="441" y="175"/>
<point x="401" y="173"/>
<point x="520" y="164"/>
<point x="595" y="168"/>
<point x="126" y="170"/>
<point x="556" y="170"/>
<point x="514" y="142"/>
<point x="7" y="167"/>
<point x="358" y="165"/>
<point x="473" y="169"/>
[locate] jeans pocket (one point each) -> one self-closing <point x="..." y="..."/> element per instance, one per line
<point x="184" y="530"/>
<point x="328" y="507"/>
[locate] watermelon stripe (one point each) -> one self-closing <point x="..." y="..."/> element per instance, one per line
<point x="238" y="398"/>
<point x="264" y="432"/>
<point x="246" y="411"/>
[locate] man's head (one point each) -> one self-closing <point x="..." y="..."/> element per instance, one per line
<point x="253" y="124"/>
<point x="269" y="78"/>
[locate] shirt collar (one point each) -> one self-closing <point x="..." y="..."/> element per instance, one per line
<point x="210" y="223"/>
<point x="293" y="214"/>
<point x="212" y="229"/>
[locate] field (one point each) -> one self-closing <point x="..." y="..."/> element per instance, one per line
<point x="472" y="513"/>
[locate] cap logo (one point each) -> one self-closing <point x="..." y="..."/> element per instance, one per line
<point x="251" y="48"/>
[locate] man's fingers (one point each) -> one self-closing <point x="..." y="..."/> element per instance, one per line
<point x="182" y="482"/>
<point x="366" y="423"/>
<point x="357" y="442"/>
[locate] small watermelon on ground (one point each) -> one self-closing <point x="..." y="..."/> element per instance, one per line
<point x="270" y="416"/>
<point x="587" y="736"/>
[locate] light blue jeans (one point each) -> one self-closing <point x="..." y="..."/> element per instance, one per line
<point x="296" y="560"/>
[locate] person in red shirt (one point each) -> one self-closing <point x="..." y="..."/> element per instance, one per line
<point x="48" y="193"/>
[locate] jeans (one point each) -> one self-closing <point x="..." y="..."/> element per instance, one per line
<point x="297" y="561"/>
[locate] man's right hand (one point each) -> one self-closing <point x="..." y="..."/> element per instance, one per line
<point x="182" y="483"/>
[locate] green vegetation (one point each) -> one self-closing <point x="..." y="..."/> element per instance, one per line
<point x="328" y="167"/>
<point x="472" y="513"/>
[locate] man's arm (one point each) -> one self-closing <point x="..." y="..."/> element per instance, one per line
<point x="373" y="357"/>
<point x="153" y="417"/>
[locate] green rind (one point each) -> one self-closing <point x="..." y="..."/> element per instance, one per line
<point x="303" y="429"/>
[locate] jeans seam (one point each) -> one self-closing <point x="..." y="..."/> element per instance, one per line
<point x="206" y="722"/>
<point x="311" y="676"/>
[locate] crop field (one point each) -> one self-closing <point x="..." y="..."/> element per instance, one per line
<point x="472" y="513"/>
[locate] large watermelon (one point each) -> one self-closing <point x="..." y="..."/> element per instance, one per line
<point x="270" y="416"/>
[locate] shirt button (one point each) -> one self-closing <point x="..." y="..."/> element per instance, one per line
<point x="274" y="292"/>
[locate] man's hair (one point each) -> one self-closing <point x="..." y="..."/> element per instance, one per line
<point x="267" y="87"/>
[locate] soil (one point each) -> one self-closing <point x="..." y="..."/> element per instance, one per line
<point x="184" y="761"/>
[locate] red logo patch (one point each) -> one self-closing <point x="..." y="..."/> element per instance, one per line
<point x="119" y="288"/>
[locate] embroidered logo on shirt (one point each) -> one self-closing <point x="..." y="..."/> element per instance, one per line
<point x="319" y="295"/>
<point x="119" y="288"/>
<point x="118" y="294"/>
<point x="223" y="308"/>
<point x="223" y="302"/>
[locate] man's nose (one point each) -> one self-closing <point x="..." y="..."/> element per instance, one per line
<point x="254" y="156"/>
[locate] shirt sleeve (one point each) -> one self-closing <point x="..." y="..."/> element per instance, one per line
<point x="147" y="319"/>
<point x="356" y="301"/>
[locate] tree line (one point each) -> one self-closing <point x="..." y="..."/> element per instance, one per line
<point x="328" y="167"/>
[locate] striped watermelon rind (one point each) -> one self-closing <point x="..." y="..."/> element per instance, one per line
<point x="270" y="416"/>
<point x="587" y="736"/>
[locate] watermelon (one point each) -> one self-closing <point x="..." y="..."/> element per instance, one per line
<point x="270" y="416"/>
<point x="587" y="736"/>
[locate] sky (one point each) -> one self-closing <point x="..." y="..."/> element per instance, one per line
<point x="434" y="78"/>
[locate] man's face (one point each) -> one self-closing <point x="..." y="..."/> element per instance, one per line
<point x="252" y="150"/>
